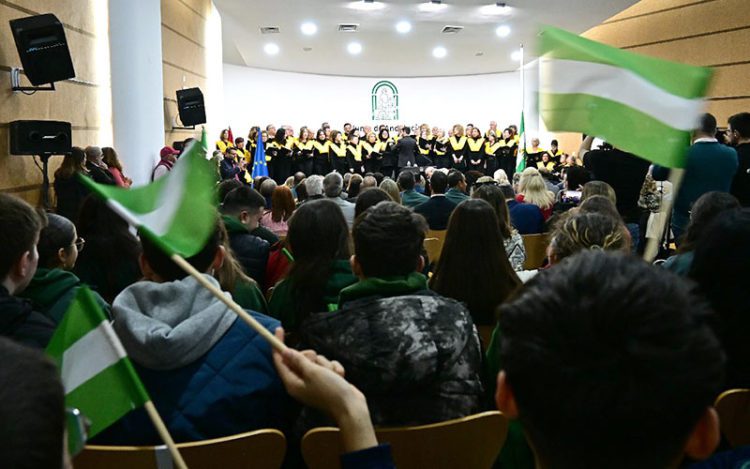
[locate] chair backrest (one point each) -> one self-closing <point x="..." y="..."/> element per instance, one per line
<point x="263" y="449"/>
<point x="469" y="442"/>
<point x="536" y="250"/>
<point x="733" y="407"/>
<point x="436" y="246"/>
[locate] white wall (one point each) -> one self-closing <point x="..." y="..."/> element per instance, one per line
<point x="259" y="97"/>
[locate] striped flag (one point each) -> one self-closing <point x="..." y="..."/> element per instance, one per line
<point x="177" y="211"/>
<point x="98" y="377"/>
<point x="260" y="167"/>
<point x="521" y="158"/>
<point x="639" y="104"/>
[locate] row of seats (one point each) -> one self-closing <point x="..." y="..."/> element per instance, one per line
<point x="469" y="442"/>
<point x="535" y="245"/>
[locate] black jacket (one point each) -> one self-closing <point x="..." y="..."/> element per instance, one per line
<point x="100" y="175"/>
<point x="70" y="194"/>
<point x="741" y="182"/>
<point x="436" y="211"/>
<point x="623" y="171"/>
<point x="18" y="321"/>
<point x="406" y="150"/>
<point x="251" y="251"/>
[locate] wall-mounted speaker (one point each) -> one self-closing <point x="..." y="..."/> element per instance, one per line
<point x="43" y="49"/>
<point x="40" y="138"/>
<point x="190" y="105"/>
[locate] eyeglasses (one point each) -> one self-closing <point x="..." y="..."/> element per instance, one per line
<point x="80" y="242"/>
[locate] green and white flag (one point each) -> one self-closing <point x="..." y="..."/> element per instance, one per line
<point x="639" y="104"/>
<point x="177" y="211"/>
<point x="98" y="377"/>
<point x="521" y="158"/>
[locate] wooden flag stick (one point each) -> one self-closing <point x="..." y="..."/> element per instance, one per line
<point x="185" y="265"/>
<point x="165" y="436"/>
<point x="652" y="244"/>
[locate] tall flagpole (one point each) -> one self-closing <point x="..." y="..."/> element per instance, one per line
<point x="523" y="99"/>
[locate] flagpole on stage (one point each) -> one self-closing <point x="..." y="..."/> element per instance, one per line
<point x="227" y="300"/>
<point x="652" y="244"/>
<point x="523" y="99"/>
<point x="164" y="434"/>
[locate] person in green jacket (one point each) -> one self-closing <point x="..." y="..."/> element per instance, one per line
<point x="54" y="285"/>
<point x="318" y="238"/>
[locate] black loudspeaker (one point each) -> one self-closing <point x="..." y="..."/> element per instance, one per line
<point x="40" y="138"/>
<point x="43" y="49"/>
<point x="190" y="105"/>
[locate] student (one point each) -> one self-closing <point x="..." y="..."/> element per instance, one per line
<point x="533" y="190"/>
<point x="233" y="279"/>
<point x="526" y="218"/>
<point x="318" y="239"/>
<point x="54" y="285"/>
<point x="474" y="243"/>
<point x="405" y="376"/>
<point x="370" y="197"/>
<point x="391" y="187"/>
<point x="241" y="212"/>
<point x="512" y="240"/>
<point x="208" y="373"/>
<point x="409" y="197"/>
<point x="19" y="232"/>
<point x="112" y="161"/>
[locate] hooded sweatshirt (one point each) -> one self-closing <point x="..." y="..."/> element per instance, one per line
<point x="52" y="290"/>
<point x="19" y="321"/>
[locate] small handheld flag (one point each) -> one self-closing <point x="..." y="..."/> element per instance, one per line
<point x="260" y="168"/>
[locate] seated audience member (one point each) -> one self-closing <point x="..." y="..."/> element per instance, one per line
<point x="54" y="286"/>
<point x="19" y="231"/>
<point x="354" y="187"/>
<point x="110" y="261"/>
<point x="229" y="168"/>
<point x="208" y="373"/>
<point x="501" y="177"/>
<point x="368" y="181"/>
<point x="300" y="192"/>
<point x="333" y="184"/>
<point x="166" y="163"/>
<point x="625" y="347"/>
<point x="98" y="170"/>
<point x="390" y="186"/>
<point x="512" y="240"/>
<point x="739" y="136"/>
<point x="437" y="210"/>
<point x="314" y="187"/>
<point x="526" y="218"/>
<point x="711" y="166"/>
<point x="232" y="278"/>
<point x="241" y="212"/>
<point x="319" y="242"/>
<point x="112" y="161"/>
<point x="593" y="188"/>
<point x="370" y="198"/>
<point x="266" y="190"/>
<point x="69" y="190"/>
<point x="410" y="197"/>
<point x="282" y="207"/>
<point x="414" y="354"/>
<point x="721" y="257"/>
<point x="224" y="188"/>
<point x="705" y="210"/>
<point x="533" y="190"/>
<point x="598" y="204"/>
<point x="456" y="187"/>
<point x="474" y="243"/>
<point x="32" y="410"/>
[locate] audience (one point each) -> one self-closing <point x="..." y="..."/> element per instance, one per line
<point x="533" y="190"/>
<point x="391" y="187"/>
<point x="241" y="211"/>
<point x="369" y="198"/>
<point x="601" y="188"/>
<point x="354" y="187"/>
<point x="410" y="197"/>
<point x="456" y="187"/>
<point x="112" y="161"/>
<point x="600" y="204"/>
<point x="437" y="209"/>
<point x="526" y="218"/>
<point x="474" y="243"/>
<point x="19" y="232"/>
<point x="233" y="279"/>
<point x="314" y="187"/>
<point x="98" y="170"/>
<point x="69" y="189"/>
<point x="282" y="207"/>
<point x="333" y="184"/>
<point x="512" y="240"/>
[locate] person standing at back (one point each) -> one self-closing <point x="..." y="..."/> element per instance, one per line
<point x="739" y="134"/>
<point x="711" y="166"/>
<point x="168" y="157"/>
<point x="69" y="190"/>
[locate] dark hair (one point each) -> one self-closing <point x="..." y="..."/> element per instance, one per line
<point x="72" y="164"/>
<point x="165" y="267"/>
<point x="280" y="137"/>
<point x="438" y="182"/>
<point x="741" y="124"/>
<point x="378" y="177"/>
<point x="704" y="211"/>
<point x="508" y="191"/>
<point x="225" y="187"/>
<point x="301" y="190"/>
<point x="370" y="197"/>
<point x="707" y="124"/>
<point x="406" y="180"/>
<point x="577" y="176"/>
<point x="242" y="198"/>
<point x="19" y="226"/>
<point x="604" y="352"/>
<point x="355" y="182"/>
<point x="31" y="409"/>
<point x="58" y="234"/>
<point x="719" y="267"/>
<point x="601" y="205"/>
<point x="317" y="236"/>
<point x="474" y="243"/>
<point x="320" y="133"/>
<point x="239" y="140"/>
<point x="588" y="231"/>
<point x="494" y="196"/>
<point x="554" y="143"/>
<point x="455" y="178"/>
<point x="472" y="177"/>
<point x="388" y="240"/>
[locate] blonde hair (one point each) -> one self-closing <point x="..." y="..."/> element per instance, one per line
<point x="390" y="186"/>
<point x="458" y="130"/>
<point x="595" y="231"/>
<point x="534" y="189"/>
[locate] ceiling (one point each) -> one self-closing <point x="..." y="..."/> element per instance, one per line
<point x="385" y="52"/>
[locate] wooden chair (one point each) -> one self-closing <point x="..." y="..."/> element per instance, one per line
<point x="262" y="449"/>
<point x="536" y="250"/>
<point x="434" y="248"/>
<point x="733" y="407"/>
<point x="469" y="442"/>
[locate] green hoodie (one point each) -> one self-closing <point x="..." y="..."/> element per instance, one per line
<point x="384" y="286"/>
<point x="52" y="290"/>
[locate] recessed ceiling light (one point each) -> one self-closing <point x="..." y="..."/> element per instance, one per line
<point x="499" y="8"/>
<point x="366" y="5"/>
<point x="403" y="27"/>
<point x="503" y="30"/>
<point x="432" y="6"/>
<point x="516" y="55"/>
<point x="439" y="52"/>
<point x="271" y="48"/>
<point x="308" y="28"/>
<point x="354" y="48"/>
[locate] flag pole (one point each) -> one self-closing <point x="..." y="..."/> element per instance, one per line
<point x="164" y="433"/>
<point x="652" y="244"/>
<point x="523" y="99"/>
<point x="231" y="304"/>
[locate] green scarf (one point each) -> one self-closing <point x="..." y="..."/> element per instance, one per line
<point x="384" y="286"/>
<point x="233" y="225"/>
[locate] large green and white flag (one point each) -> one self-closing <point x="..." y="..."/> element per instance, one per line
<point x="98" y="377"/>
<point x="177" y="211"/>
<point x="639" y="104"/>
<point x="521" y="158"/>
